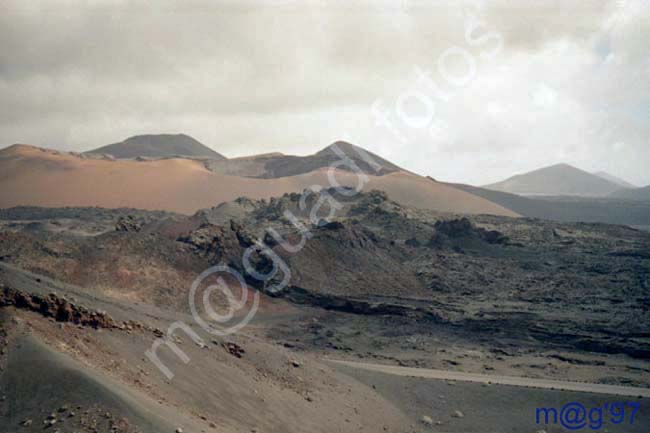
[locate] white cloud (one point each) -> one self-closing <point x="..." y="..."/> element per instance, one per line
<point x="544" y="96"/>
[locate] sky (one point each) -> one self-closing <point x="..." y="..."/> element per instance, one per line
<point x="463" y="91"/>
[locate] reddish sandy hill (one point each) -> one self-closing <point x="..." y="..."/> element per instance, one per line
<point x="42" y="177"/>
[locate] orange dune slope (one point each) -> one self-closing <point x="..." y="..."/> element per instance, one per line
<point x="41" y="177"/>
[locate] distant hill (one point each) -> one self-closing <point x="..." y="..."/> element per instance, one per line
<point x="275" y="165"/>
<point x="556" y="180"/>
<point x="608" y="210"/>
<point x="617" y="180"/>
<point x="158" y="146"/>
<point x="641" y="194"/>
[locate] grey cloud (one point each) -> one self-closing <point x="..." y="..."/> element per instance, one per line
<point x="292" y="76"/>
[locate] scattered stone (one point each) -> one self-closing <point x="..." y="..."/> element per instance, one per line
<point x="128" y="224"/>
<point x="463" y="228"/>
<point x="457" y="414"/>
<point x="295" y="363"/>
<point x="234" y="349"/>
<point x="427" y="420"/>
<point x="26" y="423"/>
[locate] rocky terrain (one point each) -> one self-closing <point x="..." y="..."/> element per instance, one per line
<point x="87" y="291"/>
<point x="567" y="286"/>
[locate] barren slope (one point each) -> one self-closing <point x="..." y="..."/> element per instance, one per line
<point x="559" y="179"/>
<point x="618" y="208"/>
<point x="274" y="165"/>
<point x="158" y="146"/>
<point x="640" y="194"/>
<point x="102" y="375"/>
<point x="39" y="177"/>
<point x="617" y="180"/>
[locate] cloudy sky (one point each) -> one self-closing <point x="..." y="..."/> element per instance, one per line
<point x="468" y="91"/>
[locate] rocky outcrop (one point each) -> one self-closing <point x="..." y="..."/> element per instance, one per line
<point x="218" y="243"/>
<point x="227" y="245"/>
<point x="463" y="228"/>
<point x="361" y="306"/>
<point x="128" y="224"/>
<point x="53" y="306"/>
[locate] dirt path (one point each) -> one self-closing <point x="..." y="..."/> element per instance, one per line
<point x="500" y="380"/>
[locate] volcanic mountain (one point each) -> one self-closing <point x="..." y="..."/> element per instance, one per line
<point x="274" y="165"/>
<point x="559" y="179"/>
<point x="617" y="180"/>
<point x="619" y="208"/>
<point x="640" y="194"/>
<point x="158" y="146"/>
<point x="42" y="177"/>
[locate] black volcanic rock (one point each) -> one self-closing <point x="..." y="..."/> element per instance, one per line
<point x="490" y="279"/>
<point x="128" y="224"/>
<point x="463" y="228"/>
